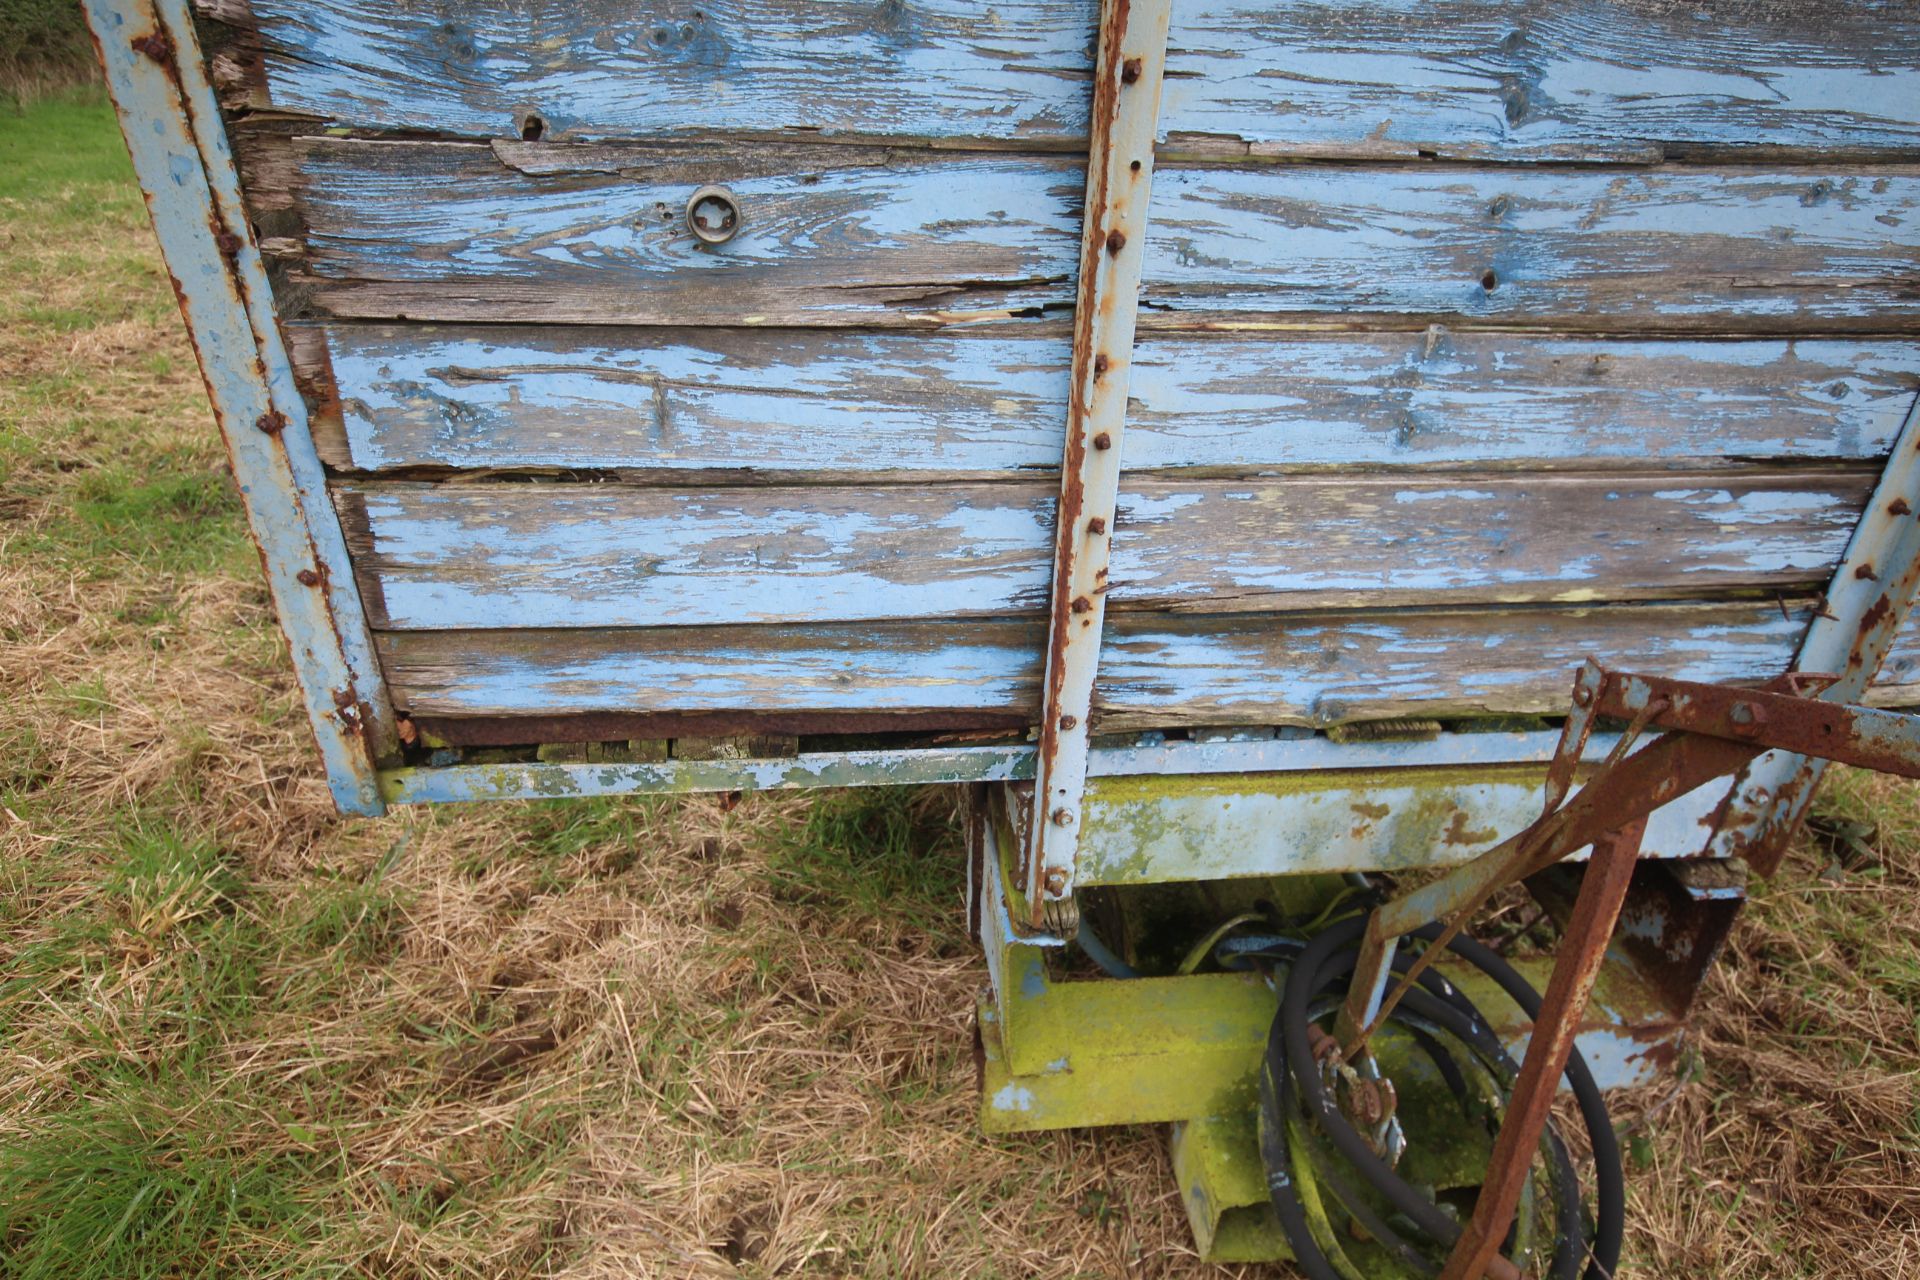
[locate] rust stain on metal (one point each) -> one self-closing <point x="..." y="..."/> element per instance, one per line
<point x="1458" y="832"/>
<point x="157" y="45"/>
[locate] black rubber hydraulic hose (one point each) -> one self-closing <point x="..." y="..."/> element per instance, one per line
<point x="1290" y="1078"/>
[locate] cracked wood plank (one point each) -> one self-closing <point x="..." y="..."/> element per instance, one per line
<point x="882" y="238"/>
<point x="1156" y="671"/>
<point x="1520" y="79"/>
<point x="490" y="555"/>
<point x="727" y="405"/>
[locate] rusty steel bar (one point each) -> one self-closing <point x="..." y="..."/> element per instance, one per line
<point x="1126" y="108"/>
<point x="1866" y="604"/>
<point x="1583" y="949"/>
<point x="171" y="120"/>
<point x="1865" y="737"/>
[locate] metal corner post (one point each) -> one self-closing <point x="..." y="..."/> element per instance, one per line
<point x="181" y="156"/>
<point x="1850" y="637"/>
<point x="1127" y="76"/>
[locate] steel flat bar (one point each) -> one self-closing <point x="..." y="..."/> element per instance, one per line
<point x="1865" y="737"/>
<point x="1128" y="64"/>
<point x="1583" y="949"/>
<point x="1866" y="604"/>
<point x="156" y="77"/>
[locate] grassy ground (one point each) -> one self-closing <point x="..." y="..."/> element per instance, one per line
<point x="240" y="1036"/>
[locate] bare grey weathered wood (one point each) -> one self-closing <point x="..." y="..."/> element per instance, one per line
<point x="839" y="236"/>
<point x="1513" y="79"/>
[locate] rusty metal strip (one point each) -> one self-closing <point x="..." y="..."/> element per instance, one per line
<point x="1126" y="108"/>
<point x="172" y="124"/>
<point x="1583" y="948"/>
<point x="1865" y="737"/>
<point x="1865" y="607"/>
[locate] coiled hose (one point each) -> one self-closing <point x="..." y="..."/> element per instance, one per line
<point x="1432" y="1014"/>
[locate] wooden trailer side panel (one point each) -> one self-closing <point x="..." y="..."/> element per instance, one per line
<point x="1593" y="340"/>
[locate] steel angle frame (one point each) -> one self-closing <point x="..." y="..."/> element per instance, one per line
<point x="171" y="120"/>
<point x="1849" y="637"/>
<point x="1127" y="76"/>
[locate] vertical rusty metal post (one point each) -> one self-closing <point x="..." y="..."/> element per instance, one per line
<point x="1865" y="606"/>
<point x="1126" y="108"/>
<point x="178" y="142"/>
<point x="1583" y="947"/>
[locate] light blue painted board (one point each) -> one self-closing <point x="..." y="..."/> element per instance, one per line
<point x="1155" y="671"/>
<point x="571" y="555"/>
<point x="1347" y="77"/>
<point x="464" y="232"/>
<point x="805" y="401"/>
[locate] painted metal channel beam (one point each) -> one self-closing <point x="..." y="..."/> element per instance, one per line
<point x="917" y="766"/>
<point x="1865" y="607"/>
<point x="1128" y="66"/>
<point x="172" y="124"/>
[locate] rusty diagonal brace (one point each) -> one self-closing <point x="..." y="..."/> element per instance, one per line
<point x="1710" y="731"/>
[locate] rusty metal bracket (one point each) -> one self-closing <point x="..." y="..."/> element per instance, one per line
<point x="1710" y="731"/>
<point x="168" y="112"/>
<point x="1126" y="108"/>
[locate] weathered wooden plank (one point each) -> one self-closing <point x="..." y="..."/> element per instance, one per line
<point x="440" y="231"/>
<point x="577" y="555"/>
<point x="1523" y="78"/>
<point x="812" y="401"/>
<point x="1157" y="672"/>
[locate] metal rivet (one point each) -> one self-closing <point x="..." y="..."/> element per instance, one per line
<point x="1063" y="817"/>
<point x="308" y="577"/>
<point x="713" y="215"/>
<point x="1097" y="524"/>
<point x="1116" y="240"/>
<point x="272" y="422"/>
<point x="1069" y="722"/>
<point x="1103" y="441"/>
<point x="1130" y="70"/>
<point x="1100" y="365"/>
<point x="1081" y="604"/>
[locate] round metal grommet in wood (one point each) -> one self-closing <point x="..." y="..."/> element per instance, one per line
<point x="713" y="214"/>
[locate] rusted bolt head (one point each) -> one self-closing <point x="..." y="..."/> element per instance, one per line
<point x="1899" y="507"/>
<point x="1116" y="240"/>
<point x="1056" y="881"/>
<point x="1103" y="441"/>
<point x="1081" y="604"/>
<point x="1069" y="722"/>
<point x="1063" y="817"/>
<point x="1130" y="71"/>
<point x="272" y="422"/>
<point x="1746" y="717"/>
<point x="713" y="215"/>
<point x="308" y="577"/>
<point x="1100" y="365"/>
<point x="1097" y="524"/>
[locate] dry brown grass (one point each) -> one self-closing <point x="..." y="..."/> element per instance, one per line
<point x="653" y="1038"/>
